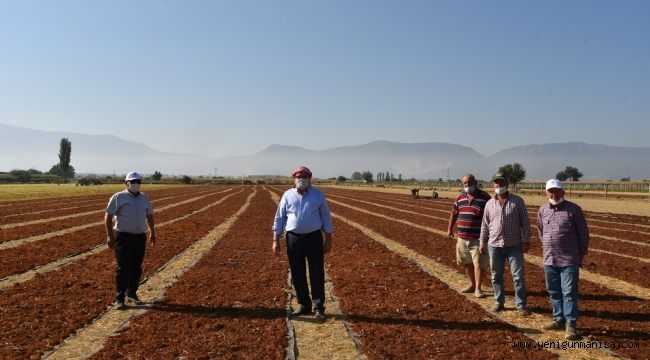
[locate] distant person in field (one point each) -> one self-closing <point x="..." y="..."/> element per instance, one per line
<point x="505" y="232"/>
<point x="565" y="241"/>
<point x="304" y="215"/>
<point x="415" y="193"/>
<point x="132" y="212"/>
<point x="467" y="214"/>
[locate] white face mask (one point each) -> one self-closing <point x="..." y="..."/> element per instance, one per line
<point x="556" y="202"/>
<point x="501" y="190"/>
<point x="134" y="188"/>
<point x="470" y="189"/>
<point x="302" y="184"/>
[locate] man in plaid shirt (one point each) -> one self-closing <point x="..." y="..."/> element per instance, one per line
<point x="505" y="231"/>
<point x="565" y="239"/>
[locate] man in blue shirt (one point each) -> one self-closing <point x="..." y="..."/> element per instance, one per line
<point x="303" y="213"/>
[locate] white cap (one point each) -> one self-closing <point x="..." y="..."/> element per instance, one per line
<point x="133" y="176"/>
<point x="554" y="184"/>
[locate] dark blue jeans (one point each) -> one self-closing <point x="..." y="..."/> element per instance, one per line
<point x="129" y="252"/>
<point x="301" y="247"/>
<point x="562" y="286"/>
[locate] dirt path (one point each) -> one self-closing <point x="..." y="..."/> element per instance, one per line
<point x="614" y="284"/>
<point x="531" y="326"/>
<point x="328" y="340"/>
<point x="59" y="263"/>
<point x="90" y="339"/>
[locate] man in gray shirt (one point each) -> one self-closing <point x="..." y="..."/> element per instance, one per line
<point x="132" y="212"/>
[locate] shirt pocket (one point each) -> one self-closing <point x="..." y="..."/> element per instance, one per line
<point x="558" y="222"/>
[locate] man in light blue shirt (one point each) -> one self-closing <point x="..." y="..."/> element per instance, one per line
<point x="304" y="215"/>
<point x="132" y="212"/>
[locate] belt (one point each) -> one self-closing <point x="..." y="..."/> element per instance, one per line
<point x="303" y="235"/>
<point x="130" y="234"/>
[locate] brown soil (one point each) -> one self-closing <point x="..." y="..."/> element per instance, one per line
<point x="606" y="314"/>
<point x="40" y="313"/>
<point x="231" y="305"/>
<point x="23" y="258"/>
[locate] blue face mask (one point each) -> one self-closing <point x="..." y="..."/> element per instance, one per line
<point x="501" y="190"/>
<point x="470" y="189"/>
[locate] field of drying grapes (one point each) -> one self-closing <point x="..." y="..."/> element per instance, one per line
<point x="213" y="289"/>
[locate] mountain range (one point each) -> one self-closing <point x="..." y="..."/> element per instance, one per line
<point x="24" y="148"/>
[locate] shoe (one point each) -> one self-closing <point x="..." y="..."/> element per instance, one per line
<point x="320" y="315"/>
<point x="570" y="332"/>
<point x="524" y="312"/>
<point x="134" y="301"/>
<point x="119" y="305"/>
<point x="302" y="310"/>
<point x="479" y="294"/>
<point x="555" y="325"/>
<point x="498" y="307"/>
<point x="468" y="290"/>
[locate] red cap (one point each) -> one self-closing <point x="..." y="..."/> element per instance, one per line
<point x="301" y="172"/>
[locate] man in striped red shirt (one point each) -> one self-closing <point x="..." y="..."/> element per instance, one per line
<point x="467" y="214"/>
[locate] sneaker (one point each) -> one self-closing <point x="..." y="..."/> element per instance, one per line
<point x="119" y="304"/>
<point x="320" y="315"/>
<point x="555" y="325"/>
<point x="498" y="307"/>
<point x="524" y="312"/>
<point x="302" y="310"/>
<point x="479" y="294"/>
<point x="468" y="290"/>
<point x="570" y="332"/>
<point x="134" y="301"/>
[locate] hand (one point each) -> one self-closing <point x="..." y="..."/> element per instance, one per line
<point x="110" y="240"/>
<point x="450" y="233"/>
<point x="481" y="249"/>
<point x="525" y="247"/>
<point x="276" y="247"/>
<point x="327" y="245"/>
<point x="152" y="238"/>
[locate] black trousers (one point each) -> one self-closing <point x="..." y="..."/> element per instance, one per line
<point x="301" y="247"/>
<point x="129" y="252"/>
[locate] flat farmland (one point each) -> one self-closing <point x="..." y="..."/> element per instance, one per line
<point x="212" y="288"/>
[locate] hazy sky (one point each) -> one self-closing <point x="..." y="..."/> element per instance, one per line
<point x="225" y="78"/>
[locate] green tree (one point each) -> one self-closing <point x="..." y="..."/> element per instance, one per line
<point x="65" y="152"/>
<point x="341" y="179"/>
<point x="515" y="173"/>
<point x="569" y="173"/>
<point x="156" y="176"/>
<point x="21" y="175"/>
<point x="186" y="179"/>
<point x="367" y="176"/>
<point x="63" y="168"/>
<point x="356" y="176"/>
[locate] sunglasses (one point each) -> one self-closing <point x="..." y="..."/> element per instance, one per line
<point x="135" y="181"/>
